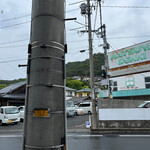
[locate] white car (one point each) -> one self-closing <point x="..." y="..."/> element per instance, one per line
<point x="9" y="114"/>
<point x="70" y="109"/>
<point x="87" y="107"/>
<point x="21" y="110"/>
<point x="79" y="111"/>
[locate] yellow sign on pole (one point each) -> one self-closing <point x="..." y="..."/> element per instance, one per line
<point x="41" y="113"/>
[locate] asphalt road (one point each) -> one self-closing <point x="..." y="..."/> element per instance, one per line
<point x="77" y="122"/>
<point x="11" y="138"/>
<point x="87" y="142"/>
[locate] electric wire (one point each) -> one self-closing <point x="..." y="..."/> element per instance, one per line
<point x="126" y="6"/>
<point x="11" y="66"/>
<point x="95" y="19"/>
<point x="15" y="24"/>
<point x="15" y="18"/>
<point x="14" y="46"/>
<point x="11" y="42"/>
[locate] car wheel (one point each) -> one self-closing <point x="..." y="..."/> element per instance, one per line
<point x="0" y="122"/>
<point x="76" y="114"/>
<point x="89" y="113"/>
<point x="21" y="120"/>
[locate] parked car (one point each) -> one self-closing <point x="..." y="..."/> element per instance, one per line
<point x="9" y="114"/>
<point x="79" y="111"/>
<point x="70" y="108"/>
<point x="21" y="110"/>
<point x="87" y="107"/>
<point x="145" y="104"/>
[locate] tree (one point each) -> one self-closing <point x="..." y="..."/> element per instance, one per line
<point x="76" y="84"/>
<point x="2" y="86"/>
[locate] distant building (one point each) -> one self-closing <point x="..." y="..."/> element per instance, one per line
<point x="130" y="72"/>
<point x="76" y="78"/>
<point x="86" y="92"/>
<point x="70" y="93"/>
<point x="14" y="94"/>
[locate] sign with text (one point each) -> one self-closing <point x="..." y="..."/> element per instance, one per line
<point x="41" y="113"/>
<point x="131" y="55"/>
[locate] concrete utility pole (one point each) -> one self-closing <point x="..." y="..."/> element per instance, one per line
<point x="45" y="125"/>
<point x="105" y="46"/>
<point x="94" y="116"/>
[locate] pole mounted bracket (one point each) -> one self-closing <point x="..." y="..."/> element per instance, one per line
<point x="43" y="46"/>
<point x="69" y="19"/>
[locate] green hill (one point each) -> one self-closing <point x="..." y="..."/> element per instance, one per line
<point x="82" y="68"/>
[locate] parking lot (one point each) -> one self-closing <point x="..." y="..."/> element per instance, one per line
<point x="72" y="122"/>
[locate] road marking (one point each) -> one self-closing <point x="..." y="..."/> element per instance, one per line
<point x="82" y="135"/>
<point x="71" y="135"/>
<point x="10" y="136"/>
<point x="134" y="135"/>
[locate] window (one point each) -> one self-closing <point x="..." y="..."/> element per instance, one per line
<point x="147" y="82"/>
<point x="69" y="93"/>
<point x="80" y="95"/>
<point x="1" y="111"/>
<point x="115" y="86"/>
<point x="84" y="105"/>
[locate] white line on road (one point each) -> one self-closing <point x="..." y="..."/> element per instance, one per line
<point x="72" y="135"/>
<point x="10" y="136"/>
<point x="134" y="135"/>
<point x="82" y="135"/>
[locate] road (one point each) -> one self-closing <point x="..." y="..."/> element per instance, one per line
<point x="87" y="142"/>
<point x="11" y="138"/>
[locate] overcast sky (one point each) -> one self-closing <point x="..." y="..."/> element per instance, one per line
<point x="125" y="27"/>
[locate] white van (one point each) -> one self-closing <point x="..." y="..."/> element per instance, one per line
<point x="9" y="114"/>
<point x="87" y="107"/>
<point x="70" y="108"/>
<point x="22" y="111"/>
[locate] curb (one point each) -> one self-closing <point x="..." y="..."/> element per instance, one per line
<point x="78" y="130"/>
<point x="120" y="131"/>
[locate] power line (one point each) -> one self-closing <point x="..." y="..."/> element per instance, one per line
<point x="14" y="46"/>
<point x="24" y="16"/>
<point x="128" y="37"/>
<point x="72" y="10"/>
<point x="15" y="18"/>
<point x="127" y="6"/>
<point x="11" y="66"/>
<point x="15" y="25"/>
<point x="12" y="60"/>
<point x="11" y="42"/>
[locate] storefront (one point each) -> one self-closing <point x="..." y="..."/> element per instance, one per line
<point x="130" y="71"/>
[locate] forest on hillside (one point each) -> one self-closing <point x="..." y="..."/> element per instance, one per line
<point x="81" y="68"/>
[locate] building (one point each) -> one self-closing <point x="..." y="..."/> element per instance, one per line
<point x="70" y="93"/>
<point x="86" y="92"/>
<point x="129" y="70"/>
<point x="14" y="94"/>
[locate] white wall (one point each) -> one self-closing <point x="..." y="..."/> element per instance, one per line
<point x="130" y="82"/>
<point x="124" y="114"/>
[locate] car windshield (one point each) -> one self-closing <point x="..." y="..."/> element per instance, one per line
<point x="11" y="110"/>
<point x="70" y="104"/>
<point x="141" y="105"/>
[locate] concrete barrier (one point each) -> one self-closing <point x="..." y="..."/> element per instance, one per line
<point x="134" y="123"/>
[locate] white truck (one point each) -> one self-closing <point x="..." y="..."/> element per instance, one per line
<point x="9" y="114"/>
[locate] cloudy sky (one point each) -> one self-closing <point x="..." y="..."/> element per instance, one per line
<point x="127" y="23"/>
